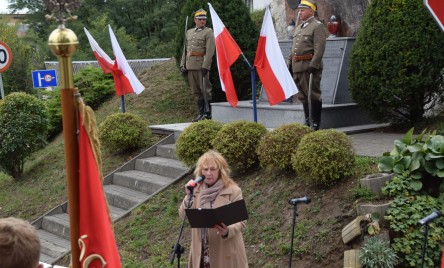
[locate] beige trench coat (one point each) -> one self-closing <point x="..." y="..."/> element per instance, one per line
<point x="224" y="252"/>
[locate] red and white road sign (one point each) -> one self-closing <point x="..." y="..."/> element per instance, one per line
<point x="5" y="57"/>
<point x="436" y="7"/>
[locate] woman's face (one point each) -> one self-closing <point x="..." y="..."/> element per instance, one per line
<point x="211" y="173"/>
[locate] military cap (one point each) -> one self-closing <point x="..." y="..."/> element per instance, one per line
<point x="308" y="4"/>
<point x="200" y="14"/>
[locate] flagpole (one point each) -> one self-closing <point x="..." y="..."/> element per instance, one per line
<point x="122" y="98"/>
<point x="253" y="86"/>
<point x="63" y="43"/>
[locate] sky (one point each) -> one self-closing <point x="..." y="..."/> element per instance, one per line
<point x="3" y="6"/>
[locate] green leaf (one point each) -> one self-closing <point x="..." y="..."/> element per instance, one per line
<point x="440" y="173"/>
<point x="414" y="165"/>
<point x="408" y="136"/>
<point x="416" y="185"/>
<point x="440" y="163"/>
<point x="399" y="168"/>
<point x="386" y="163"/>
<point x="415" y="148"/>
<point x="430" y="167"/>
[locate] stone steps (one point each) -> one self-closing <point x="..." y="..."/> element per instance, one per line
<point x="125" y="189"/>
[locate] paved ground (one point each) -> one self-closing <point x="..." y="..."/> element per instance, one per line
<point x="374" y="143"/>
<point x="367" y="143"/>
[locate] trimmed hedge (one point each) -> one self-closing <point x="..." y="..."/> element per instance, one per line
<point x="324" y="157"/>
<point x="195" y="140"/>
<point x="124" y="132"/>
<point x="276" y="147"/>
<point x="237" y="142"/>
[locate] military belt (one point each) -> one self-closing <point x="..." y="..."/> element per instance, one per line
<point x="303" y="57"/>
<point x="195" y="53"/>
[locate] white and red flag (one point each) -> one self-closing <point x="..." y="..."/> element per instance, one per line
<point x="271" y="66"/>
<point x="97" y="242"/>
<point x="128" y="80"/>
<point x="227" y="52"/>
<point x="102" y="58"/>
<point x="125" y="81"/>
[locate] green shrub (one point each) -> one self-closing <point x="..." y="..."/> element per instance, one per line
<point x="54" y="108"/>
<point x="323" y="157"/>
<point x="124" y="132"/>
<point x="403" y="216"/>
<point x="94" y="86"/>
<point x="237" y="142"/>
<point x="416" y="161"/>
<point x="395" y="82"/>
<point x="376" y="253"/>
<point x="24" y="127"/>
<point x="276" y="147"/>
<point x="195" y="140"/>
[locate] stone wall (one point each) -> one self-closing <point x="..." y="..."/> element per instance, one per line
<point x="348" y="12"/>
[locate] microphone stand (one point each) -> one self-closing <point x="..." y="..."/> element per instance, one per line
<point x="424" y="244"/>
<point x="292" y="234"/>
<point x="177" y="248"/>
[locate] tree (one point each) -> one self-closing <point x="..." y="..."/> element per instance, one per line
<point x="397" y="62"/>
<point x="151" y="24"/>
<point x="26" y="56"/>
<point x="233" y="13"/>
<point x="24" y="122"/>
<point x="99" y="30"/>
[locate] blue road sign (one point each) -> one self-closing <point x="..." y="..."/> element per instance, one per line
<point x="44" y="78"/>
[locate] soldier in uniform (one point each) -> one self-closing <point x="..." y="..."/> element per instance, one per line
<point x="196" y="62"/>
<point x="309" y="41"/>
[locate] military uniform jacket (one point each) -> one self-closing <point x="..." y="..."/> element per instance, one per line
<point x="200" y="49"/>
<point x="307" y="40"/>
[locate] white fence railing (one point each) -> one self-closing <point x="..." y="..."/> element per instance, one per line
<point x="136" y="65"/>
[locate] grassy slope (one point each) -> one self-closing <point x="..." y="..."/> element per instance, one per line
<point x="146" y="237"/>
<point x="43" y="185"/>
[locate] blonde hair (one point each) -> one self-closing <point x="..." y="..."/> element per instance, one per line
<point x="19" y="244"/>
<point x="214" y="158"/>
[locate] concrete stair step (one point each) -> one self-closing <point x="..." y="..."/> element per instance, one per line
<point x="141" y="181"/>
<point x="162" y="166"/>
<point x="52" y="246"/>
<point x="116" y="213"/>
<point x="57" y="224"/>
<point x="45" y="258"/>
<point x="125" y="189"/>
<point x="166" y="150"/>
<point x="123" y="197"/>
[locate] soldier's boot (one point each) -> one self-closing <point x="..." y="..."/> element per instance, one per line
<point x="306" y="114"/>
<point x="317" y="110"/>
<point x="201" y="111"/>
<point x="207" y="114"/>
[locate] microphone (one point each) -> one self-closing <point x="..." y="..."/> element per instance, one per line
<point x="193" y="183"/>
<point x="301" y="200"/>
<point x="430" y="217"/>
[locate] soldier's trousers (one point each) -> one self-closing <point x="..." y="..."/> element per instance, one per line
<point x="196" y="84"/>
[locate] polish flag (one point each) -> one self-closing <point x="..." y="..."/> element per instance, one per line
<point x="97" y="241"/>
<point x="271" y="66"/>
<point x="128" y="82"/>
<point x="125" y="81"/>
<point x="102" y="58"/>
<point x="227" y="52"/>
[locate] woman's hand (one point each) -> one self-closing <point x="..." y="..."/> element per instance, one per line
<point x="222" y="229"/>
